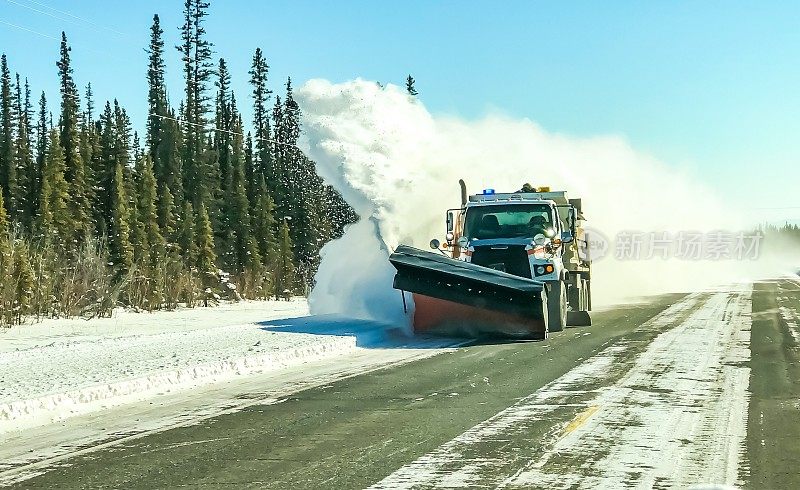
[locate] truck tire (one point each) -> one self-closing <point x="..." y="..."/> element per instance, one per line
<point x="557" y="306"/>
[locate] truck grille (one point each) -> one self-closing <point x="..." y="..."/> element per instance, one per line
<point x="512" y="259"/>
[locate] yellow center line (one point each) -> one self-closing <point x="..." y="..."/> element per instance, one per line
<point x="580" y="419"/>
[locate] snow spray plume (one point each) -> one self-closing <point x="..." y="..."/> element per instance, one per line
<point x="399" y="166"/>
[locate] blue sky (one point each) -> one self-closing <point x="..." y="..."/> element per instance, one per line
<point x="710" y="87"/>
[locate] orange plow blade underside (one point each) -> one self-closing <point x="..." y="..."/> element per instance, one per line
<point x="447" y="317"/>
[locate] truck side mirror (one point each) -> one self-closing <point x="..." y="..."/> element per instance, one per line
<point x="450" y="220"/>
<point x="435" y="244"/>
<point x="567" y="237"/>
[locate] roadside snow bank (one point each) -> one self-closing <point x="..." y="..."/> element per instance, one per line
<point x="64" y="368"/>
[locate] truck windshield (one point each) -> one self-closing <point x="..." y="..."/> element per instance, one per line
<point x="508" y="221"/>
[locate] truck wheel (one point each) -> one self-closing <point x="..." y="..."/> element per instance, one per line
<point x="557" y="306"/>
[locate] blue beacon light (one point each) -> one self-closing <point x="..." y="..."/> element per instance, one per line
<point x="488" y="191"/>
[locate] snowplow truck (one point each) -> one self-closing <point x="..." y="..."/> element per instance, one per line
<point x="512" y="264"/>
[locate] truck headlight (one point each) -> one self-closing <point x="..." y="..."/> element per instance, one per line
<point x="540" y="269"/>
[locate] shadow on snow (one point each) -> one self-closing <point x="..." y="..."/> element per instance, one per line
<point x="368" y="333"/>
<point x="375" y="334"/>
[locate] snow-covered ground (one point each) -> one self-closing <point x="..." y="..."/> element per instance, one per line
<point x="62" y="368"/>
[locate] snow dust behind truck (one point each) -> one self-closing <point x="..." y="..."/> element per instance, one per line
<point x="513" y="263"/>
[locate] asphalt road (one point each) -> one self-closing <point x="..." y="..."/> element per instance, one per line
<point x="773" y="436"/>
<point x="670" y="392"/>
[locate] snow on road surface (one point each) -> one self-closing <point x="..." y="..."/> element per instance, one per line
<point x="672" y="413"/>
<point x="64" y="368"/>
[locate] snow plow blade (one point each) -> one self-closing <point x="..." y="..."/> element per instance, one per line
<point x="461" y="297"/>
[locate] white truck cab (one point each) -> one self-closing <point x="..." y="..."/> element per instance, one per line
<point x="536" y="235"/>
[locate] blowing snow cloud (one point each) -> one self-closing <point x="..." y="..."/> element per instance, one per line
<point x="398" y="166"/>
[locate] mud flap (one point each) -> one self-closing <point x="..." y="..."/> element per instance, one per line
<point x="579" y="318"/>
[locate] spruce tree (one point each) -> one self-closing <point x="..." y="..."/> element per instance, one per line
<point x="74" y="171"/>
<point x="104" y="174"/>
<point x="88" y="117"/>
<point x="224" y="119"/>
<point x="259" y="72"/>
<point x="156" y="97"/>
<point x="287" y="175"/>
<point x="8" y="172"/>
<point x="206" y="258"/>
<point x="198" y="164"/>
<point x="6" y="267"/>
<point x="263" y="225"/>
<point x="25" y="281"/>
<point x="188" y="104"/>
<point x="279" y="154"/>
<point x="299" y="190"/>
<point x="249" y="169"/>
<point x="173" y="266"/>
<point x="23" y="155"/>
<point x="54" y="219"/>
<point x="186" y="235"/>
<point x="4" y="225"/>
<point x="309" y="229"/>
<point x="241" y="242"/>
<point x="167" y="214"/>
<point x="148" y="221"/>
<point x="148" y="213"/>
<point x="123" y="148"/>
<point x="410" y="86"/>
<point x="41" y="151"/>
<point x="34" y="170"/>
<point x="170" y="170"/>
<point x="136" y="150"/>
<point x="113" y="147"/>
<point x="141" y="247"/>
<point x="119" y="228"/>
<point x="91" y="155"/>
<point x="284" y="269"/>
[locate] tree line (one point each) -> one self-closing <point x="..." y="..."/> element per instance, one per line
<point x="91" y="217"/>
<point x="780" y="238"/>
